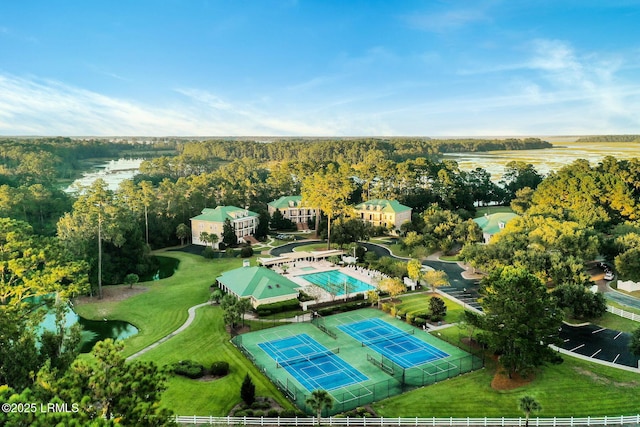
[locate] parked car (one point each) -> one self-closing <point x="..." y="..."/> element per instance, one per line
<point x="608" y="275"/>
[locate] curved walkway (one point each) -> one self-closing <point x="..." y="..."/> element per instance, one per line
<point x="185" y="325"/>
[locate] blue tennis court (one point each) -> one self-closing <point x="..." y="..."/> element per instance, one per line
<point x="401" y="347"/>
<point x="311" y="363"/>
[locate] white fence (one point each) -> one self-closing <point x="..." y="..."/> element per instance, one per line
<point x="623" y="313"/>
<point x="633" y="420"/>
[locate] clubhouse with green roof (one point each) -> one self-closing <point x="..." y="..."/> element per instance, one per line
<point x="259" y="284"/>
<point x="243" y="221"/>
<point x="493" y="224"/>
<point x="382" y="212"/>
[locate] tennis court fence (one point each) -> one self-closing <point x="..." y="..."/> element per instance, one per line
<point x="347" y="398"/>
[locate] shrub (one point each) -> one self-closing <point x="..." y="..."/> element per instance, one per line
<point x="386" y="307"/>
<point x="393" y="311"/>
<point x="401" y="314"/>
<point x="278" y="307"/>
<point x="409" y="318"/>
<point x="220" y="368"/>
<point x="272" y="413"/>
<point x="188" y="368"/>
<point x="419" y="321"/>
<point x="208" y="252"/>
<point x="246" y="252"/>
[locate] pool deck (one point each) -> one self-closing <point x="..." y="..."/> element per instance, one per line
<point x="300" y="268"/>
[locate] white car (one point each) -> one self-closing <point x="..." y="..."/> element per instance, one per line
<point x="608" y="275"/>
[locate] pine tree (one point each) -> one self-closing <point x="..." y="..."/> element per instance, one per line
<point x="248" y="390"/>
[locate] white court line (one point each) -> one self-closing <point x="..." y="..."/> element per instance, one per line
<point x="599" y="330"/>
<point x="614" y="360"/>
<point x="616" y="337"/>
<point x="580" y="346"/>
<point x="594" y="354"/>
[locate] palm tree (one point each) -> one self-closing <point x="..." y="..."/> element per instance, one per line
<point x="319" y="400"/>
<point x="182" y="231"/>
<point x="528" y="404"/>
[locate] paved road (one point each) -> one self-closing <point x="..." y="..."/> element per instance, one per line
<point x="623" y="299"/>
<point x="465" y="290"/>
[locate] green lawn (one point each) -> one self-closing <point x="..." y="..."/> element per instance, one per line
<point x="420" y="304"/>
<point x="611" y="321"/>
<point x="573" y="388"/>
<point x="491" y="210"/>
<point x="205" y="342"/>
<point x="163" y="307"/>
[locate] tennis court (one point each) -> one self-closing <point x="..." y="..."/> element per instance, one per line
<point x="311" y="363"/>
<point x="302" y="357"/>
<point x="397" y="345"/>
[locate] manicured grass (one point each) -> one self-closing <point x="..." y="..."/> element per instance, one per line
<point x="163" y="307"/>
<point x="623" y="307"/>
<point x="420" y="304"/>
<point x="451" y="258"/>
<point x="205" y="342"/>
<point x="491" y="210"/>
<point x="611" y="321"/>
<point x="314" y="247"/>
<point x="573" y="388"/>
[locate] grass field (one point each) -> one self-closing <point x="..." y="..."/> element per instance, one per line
<point x="420" y="304"/>
<point x="163" y="307"/>
<point x="480" y="211"/>
<point x="573" y="388"/>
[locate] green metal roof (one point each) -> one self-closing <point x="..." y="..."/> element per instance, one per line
<point x="386" y="206"/>
<point x="284" y="202"/>
<point x="221" y="213"/>
<point x="490" y="224"/>
<point x="259" y="282"/>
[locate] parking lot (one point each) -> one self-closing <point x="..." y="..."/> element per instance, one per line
<point x="598" y="343"/>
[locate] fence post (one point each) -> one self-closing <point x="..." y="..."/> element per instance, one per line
<point x="605" y="420"/>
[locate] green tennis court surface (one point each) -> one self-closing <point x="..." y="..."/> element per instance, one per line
<point x="302" y="357"/>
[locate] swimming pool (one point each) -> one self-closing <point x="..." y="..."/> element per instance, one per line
<point x="337" y="282"/>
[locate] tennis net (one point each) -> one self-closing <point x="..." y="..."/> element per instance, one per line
<point x="369" y="343"/>
<point x="307" y="358"/>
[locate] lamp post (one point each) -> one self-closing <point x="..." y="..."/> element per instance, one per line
<point x="99" y="205"/>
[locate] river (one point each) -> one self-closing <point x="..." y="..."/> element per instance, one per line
<point x="112" y="172"/>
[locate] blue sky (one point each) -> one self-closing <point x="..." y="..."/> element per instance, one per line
<point x="319" y="68"/>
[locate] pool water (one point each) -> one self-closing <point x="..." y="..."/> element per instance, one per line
<point x="337" y="282"/>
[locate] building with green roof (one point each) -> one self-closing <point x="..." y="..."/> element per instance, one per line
<point x="211" y="221"/>
<point x="291" y="207"/>
<point x="382" y="212"/>
<point x="493" y="224"/>
<point x="260" y="284"/>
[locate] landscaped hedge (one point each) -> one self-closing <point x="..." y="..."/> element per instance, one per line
<point x="188" y="368"/>
<point x="354" y="305"/>
<point x="219" y="368"/>
<point x="278" y="307"/>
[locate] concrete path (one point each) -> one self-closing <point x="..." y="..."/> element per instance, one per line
<point x="185" y="325"/>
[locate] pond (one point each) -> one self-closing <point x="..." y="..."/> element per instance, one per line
<point x="92" y="330"/>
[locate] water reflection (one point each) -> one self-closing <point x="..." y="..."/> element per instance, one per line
<point x="92" y="330"/>
<point x="112" y="172"/>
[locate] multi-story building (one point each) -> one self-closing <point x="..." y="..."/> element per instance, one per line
<point x="381" y="212"/>
<point x="244" y="223"/>
<point x="291" y="208"/>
